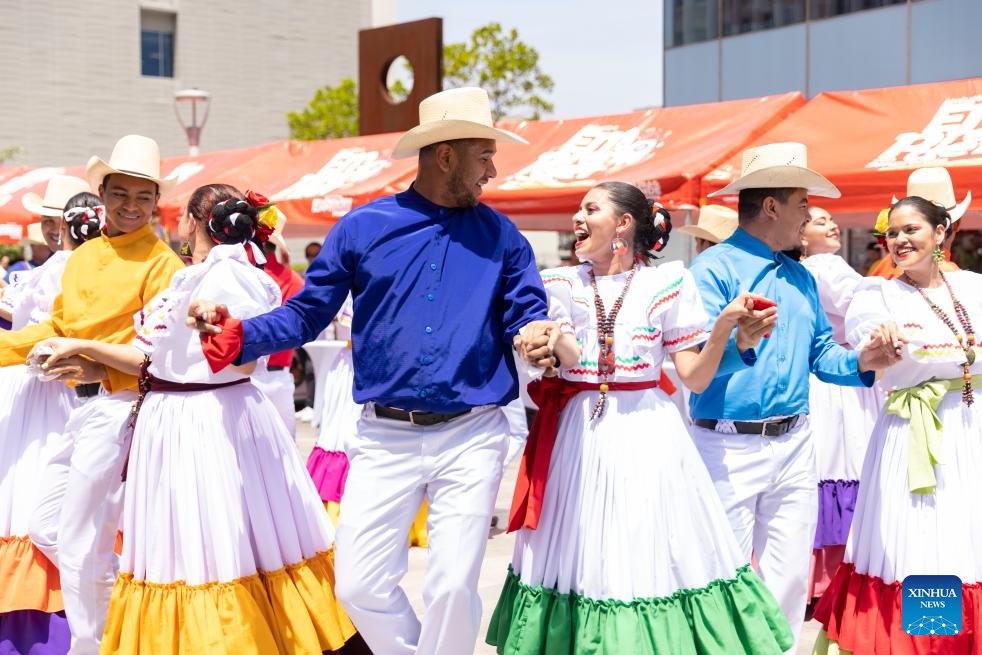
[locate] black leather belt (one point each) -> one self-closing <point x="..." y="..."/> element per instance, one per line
<point x="275" y="368"/>
<point x="416" y="417"/>
<point x="87" y="390"/>
<point x="774" y="428"/>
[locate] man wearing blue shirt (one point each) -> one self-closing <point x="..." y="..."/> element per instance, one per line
<point x="441" y="285"/>
<point x="751" y="424"/>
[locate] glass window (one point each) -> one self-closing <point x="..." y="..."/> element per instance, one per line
<point x="691" y="21"/>
<point x="157" y="43"/>
<point x="829" y="8"/>
<point x="742" y="16"/>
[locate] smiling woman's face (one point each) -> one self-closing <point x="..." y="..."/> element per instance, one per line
<point x="911" y="239"/>
<point x="820" y="235"/>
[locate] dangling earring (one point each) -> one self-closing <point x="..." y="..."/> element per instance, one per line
<point x="186" y="249"/>
<point x="618" y="246"/>
<point x="938" y="254"/>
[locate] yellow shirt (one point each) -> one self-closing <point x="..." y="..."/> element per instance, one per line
<point x="106" y="281"/>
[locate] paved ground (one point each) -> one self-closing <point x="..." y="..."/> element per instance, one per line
<point x="496" y="560"/>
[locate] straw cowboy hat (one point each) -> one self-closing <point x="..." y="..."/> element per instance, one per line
<point x="463" y="113"/>
<point x="716" y="223"/>
<point x="779" y="166"/>
<point x="934" y="184"/>
<point x="133" y="155"/>
<point x="60" y="189"/>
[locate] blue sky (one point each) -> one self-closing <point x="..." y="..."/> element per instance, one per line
<point x="603" y="55"/>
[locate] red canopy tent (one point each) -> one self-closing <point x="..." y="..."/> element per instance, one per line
<point x="313" y="182"/>
<point x="867" y="142"/>
<point x="665" y="151"/>
<point x="539" y="186"/>
<point x="15" y="181"/>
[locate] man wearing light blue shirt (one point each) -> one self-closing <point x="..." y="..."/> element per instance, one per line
<point x="751" y="424"/>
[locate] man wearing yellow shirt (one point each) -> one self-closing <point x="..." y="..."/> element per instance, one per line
<point x="106" y="281"/>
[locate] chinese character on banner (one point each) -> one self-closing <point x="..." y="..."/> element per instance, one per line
<point x="346" y="168"/>
<point x="593" y="150"/>
<point x="954" y="135"/>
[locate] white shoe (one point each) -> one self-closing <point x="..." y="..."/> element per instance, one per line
<point x="306" y="414"/>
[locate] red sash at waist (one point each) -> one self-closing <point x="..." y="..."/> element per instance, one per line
<point x="551" y="395"/>
<point x="156" y="384"/>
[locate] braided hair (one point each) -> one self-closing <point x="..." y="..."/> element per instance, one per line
<point x="85" y="215"/>
<point x="652" y="222"/>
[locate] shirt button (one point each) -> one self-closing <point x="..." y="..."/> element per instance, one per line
<point x="426" y="359"/>
<point x="430" y="296"/>
<point x="428" y="330"/>
<point x="780" y="358"/>
<point x="432" y="267"/>
<point x="422" y="393"/>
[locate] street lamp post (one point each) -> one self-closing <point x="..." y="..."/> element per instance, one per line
<point x="192" y="126"/>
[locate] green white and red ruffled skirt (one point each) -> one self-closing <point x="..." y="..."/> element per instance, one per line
<point x="633" y="552"/>
<point x="896" y="533"/>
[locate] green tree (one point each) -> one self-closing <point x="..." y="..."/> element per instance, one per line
<point x="493" y="59"/>
<point x="6" y="154"/>
<point x="332" y="113"/>
<point x="508" y="69"/>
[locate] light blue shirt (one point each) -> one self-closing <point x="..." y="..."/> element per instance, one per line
<point x="801" y="342"/>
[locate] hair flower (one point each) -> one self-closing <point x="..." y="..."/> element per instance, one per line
<point x="882" y="221"/>
<point x="266" y="213"/>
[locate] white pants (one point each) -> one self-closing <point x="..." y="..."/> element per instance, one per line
<point x="77" y="516"/>
<point x="278" y="387"/>
<point x="769" y="488"/>
<point x="457" y="466"/>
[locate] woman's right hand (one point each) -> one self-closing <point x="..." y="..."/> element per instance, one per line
<point x="54" y="349"/>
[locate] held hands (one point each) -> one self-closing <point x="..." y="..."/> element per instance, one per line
<point x="536" y="345"/>
<point x="51" y="351"/>
<point x="884" y="348"/>
<point x="58" y="358"/>
<point x="203" y="316"/>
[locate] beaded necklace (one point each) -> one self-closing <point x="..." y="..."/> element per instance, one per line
<point x="605" y="336"/>
<point x="968" y="396"/>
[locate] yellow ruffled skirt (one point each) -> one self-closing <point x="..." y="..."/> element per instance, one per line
<point x="292" y="611"/>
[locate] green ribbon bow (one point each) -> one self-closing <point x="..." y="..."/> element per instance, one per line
<point x="919" y="406"/>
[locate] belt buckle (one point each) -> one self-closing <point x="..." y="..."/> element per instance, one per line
<point x="765" y="428"/>
<point x="782" y="426"/>
<point x="412" y="419"/>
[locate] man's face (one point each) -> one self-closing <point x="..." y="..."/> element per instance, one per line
<point x="791" y="218"/>
<point x="129" y="202"/>
<point x="51" y="230"/>
<point x="471" y="168"/>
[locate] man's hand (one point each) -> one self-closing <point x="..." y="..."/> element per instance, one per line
<point x="754" y="326"/>
<point x="77" y="369"/>
<point x="203" y="316"/>
<point x="884" y="348"/>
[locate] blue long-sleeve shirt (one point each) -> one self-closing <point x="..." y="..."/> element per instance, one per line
<point x="438" y="293"/>
<point x="800" y="343"/>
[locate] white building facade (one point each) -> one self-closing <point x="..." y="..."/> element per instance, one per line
<point x="78" y="75"/>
